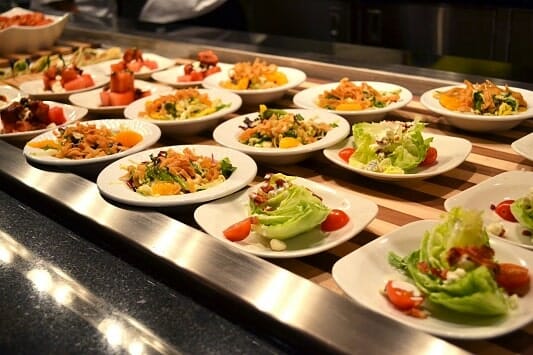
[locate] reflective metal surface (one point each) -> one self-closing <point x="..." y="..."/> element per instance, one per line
<point x="265" y="291"/>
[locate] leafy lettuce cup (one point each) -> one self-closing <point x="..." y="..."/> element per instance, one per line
<point x="456" y="270"/>
<point x="522" y="210"/>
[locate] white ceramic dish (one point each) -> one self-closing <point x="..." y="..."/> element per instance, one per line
<point x="91" y="99"/>
<point x="10" y="93"/>
<point x="72" y="114"/>
<point x="145" y="73"/>
<point x="216" y="216"/>
<point x="227" y="134"/>
<point x="190" y="126"/>
<point x="27" y="39"/>
<point x="170" y="76"/>
<point x="478" y="123"/>
<point x="149" y="132"/>
<point x="524" y="146"/>
<point x="35" y="88"/>
<point x="364" y="272"/>
<point x="111" y="186"/>
<point x="260" y="96"/>
<point x="507" y="185"/>
<point x="452" y="151"/>
<point x="308" y="99"/>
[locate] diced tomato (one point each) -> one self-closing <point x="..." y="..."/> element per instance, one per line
<point x="431" y="157"/>
<point x="81" y="82"/>
<point x="51" y="72"/>
<point x="122" y="81"/>
<point x="184" y="78"/>
<point x="134" y="66"/>
<point x="150" y="64"/>
<point x="402" y="299"/>
<point x="105" y="98"/>
<point x="513" y="278"/>
<point x="47" y="83"/>
<point x="120" y="66"/>
<point x="121" y="98"/>
<point x="197" y="76"/>
<point x="68" y="74"/>
<point x="212" y="70"/>
<point x="503" y="209"/>
<point x="208" y="57"/>
<point x="239" y="230"/>
<point x="346" y="153"/>
<point x="335" y="220"/>
<point x="56" y="115"/>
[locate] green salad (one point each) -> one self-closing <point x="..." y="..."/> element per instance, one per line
<point x="522" y="210"/>
<point x="390" y="147"/>
<point x="455" y="269"/>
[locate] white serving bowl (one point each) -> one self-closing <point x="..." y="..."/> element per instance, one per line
<point x="26" y="39"/>
<point x="474" y="122"/>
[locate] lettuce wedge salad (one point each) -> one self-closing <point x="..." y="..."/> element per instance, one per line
<point x="390" y="147"/>
<point x="522" y="210"/>
<point x="280" y="209"/>
<point x="455" y="270"/>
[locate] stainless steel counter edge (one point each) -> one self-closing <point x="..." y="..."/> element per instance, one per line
<point x="289" y="300"/>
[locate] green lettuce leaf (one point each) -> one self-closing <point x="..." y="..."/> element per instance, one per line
<point x="522" y="210"/>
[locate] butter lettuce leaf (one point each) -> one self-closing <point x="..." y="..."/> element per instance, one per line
<point x="522" y="210"/>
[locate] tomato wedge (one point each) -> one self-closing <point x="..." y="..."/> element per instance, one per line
<point x="513" y="278"/>
<point x="335" y="220"/>
<point x="240" y="230"/>
<point x="503" y="209"/>
<point x="431" y="157"/>
<point x="346" y="153"/>
<point x="401" y="298"/>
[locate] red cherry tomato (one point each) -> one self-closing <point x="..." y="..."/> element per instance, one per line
<point x="513" y="278"/>
<point x="335" y="220"/>
<point x="346" y="153"/>
<point x="240" y="230"/>
<point x="503" y="209"/>
<point x="431" y="157"/>
<point x="400" y="298"/>
<point x="196" y="76"/>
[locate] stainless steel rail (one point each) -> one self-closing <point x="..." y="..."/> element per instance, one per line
<point x="266" y="290"/>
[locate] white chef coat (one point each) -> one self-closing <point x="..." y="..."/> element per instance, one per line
<point x="167" y="11"/>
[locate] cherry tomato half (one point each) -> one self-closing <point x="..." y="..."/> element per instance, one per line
<point x="335" y="220"/>
<point x="513" y="278"/>
<point x="346" y="153"/>
<point x="503" y="209"/>
<point x="431" y="157"/>
<point x="239" y="230"/>
<point x="400" y="298"/>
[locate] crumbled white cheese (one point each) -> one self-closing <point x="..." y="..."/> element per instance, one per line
<point x="454" y="275"/>
<point x="495" y="228"/>
<point x="277" y="245"/>
<point x="409" y="287"/>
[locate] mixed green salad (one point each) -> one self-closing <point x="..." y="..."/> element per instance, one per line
<point x="280" y="209"/>
<point x="455" y="269"/>
<point x="390" y="147"/>
<point x="522" y="210"/>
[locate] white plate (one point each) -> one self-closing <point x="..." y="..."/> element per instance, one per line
<point x="308" y="99"/>
<point x="149" y="132"/>
<point x="35" y="88"/>
<point x="91" y="99"/>
<point x="507" y="185"/>
<point x="145" y="73"/>
<point x="72" y="114"/>
<point x="190" y="126"/>
<point x="216" y="216"/>
<point x="11" y="94"/>
<point x="452" y="151"/>
<point x="364" y="272"/>
<point x="111" y="186"/>
<point x="478" y="123"/>
<point x="170" y="76"/>
<point x="524" y="146"/>
<point x="260" y="96"/>
<point x="227" y="134"/>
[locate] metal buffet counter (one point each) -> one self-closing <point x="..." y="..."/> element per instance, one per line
<point x="202" y="296"/>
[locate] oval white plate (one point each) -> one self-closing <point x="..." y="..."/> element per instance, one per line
<point x="308" y="99"/>
<point x="170" y="76"/>
<point x="255" y="97"/>
<point x="149" y="132"/>
<point x="11" y="94"/>
<point x="35" y="88"/>
<point x="190" y="126"/>
<point x="91" y="99"/>
<point x="216" y="216"/>
<point x="227" y="134"/>
<point x="524" y="146"/>
<point x="145" y="73"/>
<point x="478" y="123"/>
<point x="363" y="273"/>
<point x="111" y="186"/>
<point x="72" y="114"/>
<point x="507" y="185"/>
<point x="452" y="151"/>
